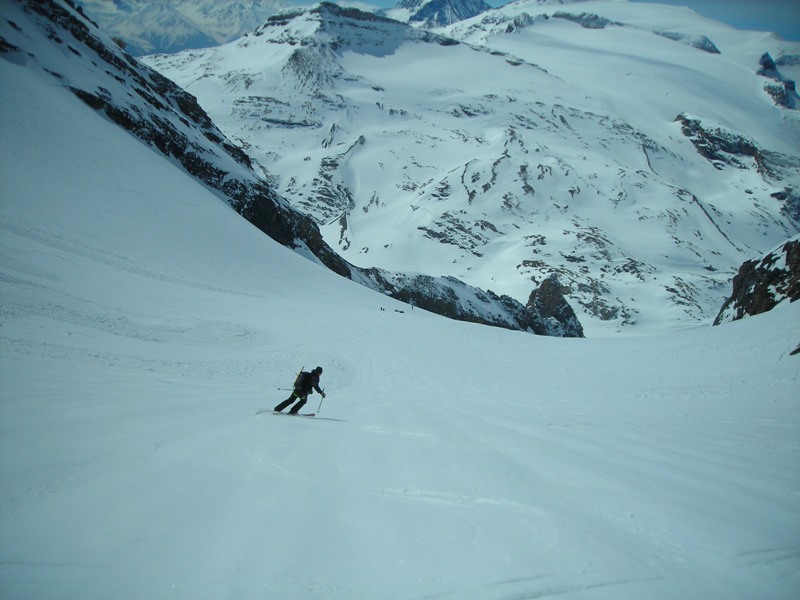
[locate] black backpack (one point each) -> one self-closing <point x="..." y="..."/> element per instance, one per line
<point x="301" y="381"/>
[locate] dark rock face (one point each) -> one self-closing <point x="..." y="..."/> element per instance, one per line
<point x="449" y="297"/>
<point x="701" y="42"/>
<point x="768" y="66"/>
<point x="782" y="90"/>
<point x="722" y="147"/>
<point x="791" y="203"/>
<point x="437" y="13"/>
<point x="587" y="20"/>
<point x="726" y="149"/>
<point x="550" y="313"/>
<point x="762" y="284"/>
<point x="546" y="313"/>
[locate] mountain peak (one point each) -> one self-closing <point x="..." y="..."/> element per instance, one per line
<point x="438" y="13"/>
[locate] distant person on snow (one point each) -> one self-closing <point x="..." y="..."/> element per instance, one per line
<point x="304" y="385"/>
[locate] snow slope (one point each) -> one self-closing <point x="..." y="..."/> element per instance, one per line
<point x="143" y="323"/>
<point x="535" y="147"/>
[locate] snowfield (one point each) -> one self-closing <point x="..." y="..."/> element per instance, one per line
<point x="143" y="323"/>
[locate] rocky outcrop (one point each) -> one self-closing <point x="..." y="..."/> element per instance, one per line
<point x="449" y="297"/>
<point x="725" y="148"/>
<point x="438" y="13"/>
<point x="783" y="91"/>
<point x="762" y="284"/>
<point x="790" y="199"/>
<point x="587" y="20"/>
<point x="546" y="313"/>
<point x="701" y="42"/>
<point x="550" y="313"/>
<point x="721" y="147"/>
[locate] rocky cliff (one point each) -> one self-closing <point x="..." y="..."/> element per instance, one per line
<point x="763" y="284"/>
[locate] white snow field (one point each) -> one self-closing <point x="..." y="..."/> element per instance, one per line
<point x="143" y="323"/>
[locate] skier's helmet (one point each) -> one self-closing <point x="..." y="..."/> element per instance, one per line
<point x="318" y="370"/>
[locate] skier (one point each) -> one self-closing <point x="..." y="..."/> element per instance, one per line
<point x="304" y="385"/>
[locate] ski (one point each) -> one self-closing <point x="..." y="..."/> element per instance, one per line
<point x="295" y="414"/>
<point x="267" y="410"/>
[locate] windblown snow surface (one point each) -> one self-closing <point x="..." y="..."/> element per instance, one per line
<point x="143" y="324"/>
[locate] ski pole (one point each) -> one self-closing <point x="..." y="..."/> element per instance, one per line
<point x="320" y="401"/>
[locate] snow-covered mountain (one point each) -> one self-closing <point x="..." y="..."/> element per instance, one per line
<point x="635" y="151"/>
<point x="143" y="322"/>
<point x="436" y="13"/>
<point x="67" y="47"/>
<point x="169" y="26"/>
<point x="148" y="26"/>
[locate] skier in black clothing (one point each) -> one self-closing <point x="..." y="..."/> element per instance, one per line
<point x="305" y="384"/>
